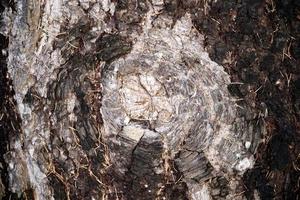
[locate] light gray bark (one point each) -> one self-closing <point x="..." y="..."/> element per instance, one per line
<point x="120" y="100"/>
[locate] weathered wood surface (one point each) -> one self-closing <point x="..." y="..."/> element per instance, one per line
<point x="120" y="100"/>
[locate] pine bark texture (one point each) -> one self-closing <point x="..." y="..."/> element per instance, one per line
<point x="120" y="100"/>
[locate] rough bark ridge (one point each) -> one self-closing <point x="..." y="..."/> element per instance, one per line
<point x="120" y="100"/>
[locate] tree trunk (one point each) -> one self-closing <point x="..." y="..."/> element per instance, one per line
<point x="120" y="100"/>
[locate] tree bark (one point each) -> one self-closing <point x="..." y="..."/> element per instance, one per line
<point x="120" y="100"/>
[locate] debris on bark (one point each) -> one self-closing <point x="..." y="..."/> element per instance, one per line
<point x="149" y="99"/>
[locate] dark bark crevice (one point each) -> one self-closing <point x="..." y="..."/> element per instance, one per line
<point x="257" y="43"/>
